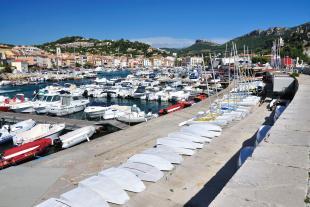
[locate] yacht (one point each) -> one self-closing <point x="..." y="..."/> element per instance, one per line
<point x="40" y="106"/>
<point x="68" y="104"/>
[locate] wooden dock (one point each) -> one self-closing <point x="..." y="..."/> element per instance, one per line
<point x="71" y="124"/>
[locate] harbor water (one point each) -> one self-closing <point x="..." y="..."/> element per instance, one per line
<point x="28" y="91"/>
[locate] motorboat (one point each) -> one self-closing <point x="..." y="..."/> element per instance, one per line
<point x="24" y="107"/>
<point x="77" y="136"/>
<point x="116" y="111"/>
<point x="95" y="111"/>
<point x="7" y="103"/>
<point x="24" y="152"/>
<point x="41" y="104"/>
<point x="39" y="131"/>
<point x="136" y="116"/>
<point x="8" y="131"/>
<point x="68" y="105"/>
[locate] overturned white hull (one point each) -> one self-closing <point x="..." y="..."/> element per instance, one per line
<point x="77" y="136"/>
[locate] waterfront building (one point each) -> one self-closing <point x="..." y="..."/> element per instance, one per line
<point x="193" y="61"/>
<point x="20" y="66"/>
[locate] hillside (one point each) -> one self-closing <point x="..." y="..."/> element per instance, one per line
<point x="296" y="42"/>
<point x="83" y="45"/>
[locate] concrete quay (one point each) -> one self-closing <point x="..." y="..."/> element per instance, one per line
<point x="277" y="173"/>
<point x="71" y="124"/>
<point x="195" y="182"/>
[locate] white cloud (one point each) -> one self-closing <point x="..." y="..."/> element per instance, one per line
<point x="166" y="42"/>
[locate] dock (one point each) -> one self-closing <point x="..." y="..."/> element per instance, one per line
<point x="71" y="124"/>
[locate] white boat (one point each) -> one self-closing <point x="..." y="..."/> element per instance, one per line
<point x="41" y="104"/>
<point x="81" y="196"/>
<point x="167" y="154"/>
<point x="124" y="178"/>
<point x="153" y="160"/>
<point x="54" y="202"/>
<point x="24" y="107"/>
<point x="8" y="131"/>
<point x="77" y="136"/>
<point x="95" y="111"/>
<point x="68" y="105"/>
<point x="51" y="131"/>
<point x="143" y="171"/>
<point x="106" y="188"/>
<point x="136" y="116"/>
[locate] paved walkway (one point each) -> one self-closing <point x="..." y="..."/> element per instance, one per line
<point x="195" y="182"/>
<point x="277" y="173"/>
<point x="60" y="172"/>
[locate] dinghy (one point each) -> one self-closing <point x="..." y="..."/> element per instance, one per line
<point x="77" y="136"/>
<point x="190" y="137"/>
<point x="51" y="131"/>
<point x="194" y="144"/>
<point x="54" y="202"/>
<point x="24" y="152"/>
<point x="177" y="149"/>
<point x="81" y="197"/>
<point x="167" y="154"/>
<point x="143" y="171"/>
<point x="176" y="143"/>
<point x="7" y="132"/>
<point x="124" y="178"/>
<point x="208" y="127"/>
<point x="153" y="160"/>
<point x="106" y="188"/>
<point x="198" y="131"/>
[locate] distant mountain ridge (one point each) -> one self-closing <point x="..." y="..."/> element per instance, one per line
<point x="296" y="42"/>
<point x="82" y="45"/>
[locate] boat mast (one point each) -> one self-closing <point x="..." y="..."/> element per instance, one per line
<point x="208" y="91"/>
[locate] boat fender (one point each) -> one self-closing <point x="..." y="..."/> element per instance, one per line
<point x="87" y="138"/>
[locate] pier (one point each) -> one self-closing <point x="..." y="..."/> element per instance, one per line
<point x="277" y="174"/>
<point x="197" y="182"/>
<point x="71" y="124"/>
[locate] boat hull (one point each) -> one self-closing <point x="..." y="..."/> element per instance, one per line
<point x="24" y="152"/>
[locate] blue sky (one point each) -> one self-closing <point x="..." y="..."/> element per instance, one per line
<point x="171" y="23"/>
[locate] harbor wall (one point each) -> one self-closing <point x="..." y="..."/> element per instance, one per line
<point x="277" y="173"/>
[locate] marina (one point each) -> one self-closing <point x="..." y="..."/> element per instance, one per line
<point x="154" y="104"/>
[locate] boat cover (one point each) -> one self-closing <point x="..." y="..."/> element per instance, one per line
<point x="194" y="144"/>
<point x="209" y="127"/>
<point x="124" y="178"/>
<point x="190" y="137"/>
<point x="107" y="188"/>
<point x="176" y="143"/>
<point x="167" y="154"/>
<point x="179" y="150"/>
<point x="153" y="160"/>
<point x="81" y="197"/>
<point x="199" y="131"/>
<point x="143" y="171"/>
<point x="54" y="202"/>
